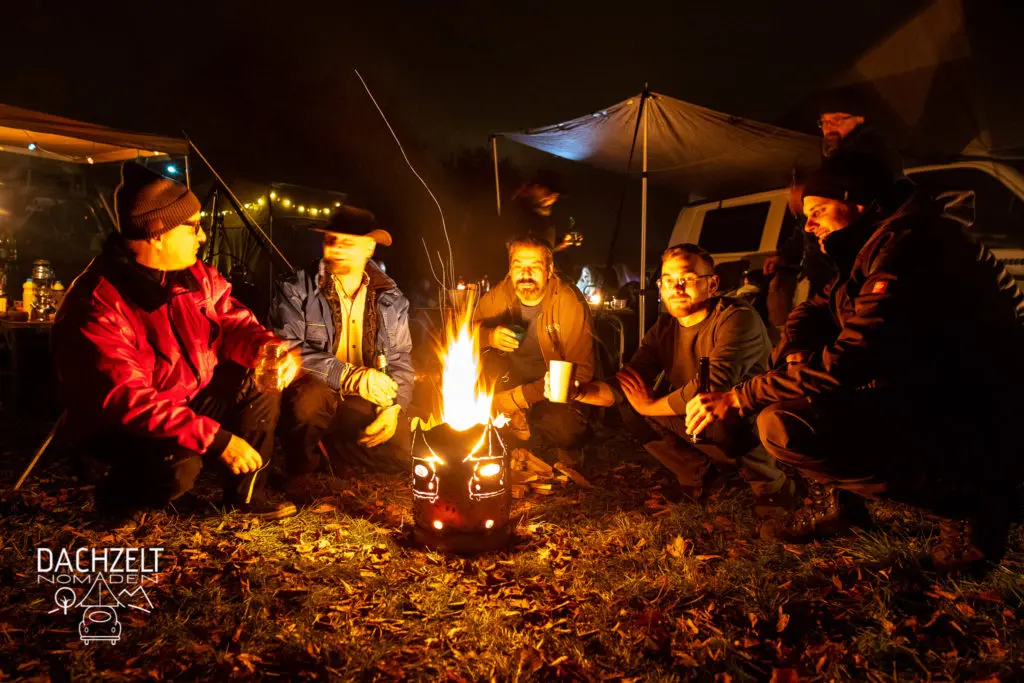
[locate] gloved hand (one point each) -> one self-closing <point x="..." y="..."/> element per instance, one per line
<point x="373" y="385"/>
<point x="382" y="428"/>
<point x="509" y="402"/>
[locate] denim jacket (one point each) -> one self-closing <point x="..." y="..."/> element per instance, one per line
<point x="301" y="314"/>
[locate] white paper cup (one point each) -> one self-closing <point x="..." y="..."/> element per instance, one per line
<point x="560" y="374"/>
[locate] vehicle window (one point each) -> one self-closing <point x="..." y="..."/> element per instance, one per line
<point x="735" y="228"/>
<point x="789" y="224"/>
<point x="998" y="213"/>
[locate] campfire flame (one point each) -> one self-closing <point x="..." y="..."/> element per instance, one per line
<point x="466" y="402"/>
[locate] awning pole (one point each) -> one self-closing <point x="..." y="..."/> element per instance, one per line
<point x="497" y="185"/>
<point x="643" y="224"/>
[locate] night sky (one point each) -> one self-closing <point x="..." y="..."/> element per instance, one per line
<point x="268" y="92"/>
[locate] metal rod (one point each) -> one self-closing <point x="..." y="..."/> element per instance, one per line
<point x="497" y="185"/>
<point x="252" y="226"/>
<point x="643" y="227"/>
<point x="39" y="454"/>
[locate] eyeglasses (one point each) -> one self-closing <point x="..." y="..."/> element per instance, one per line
<point x="195" y="225"/>
<point x="834" y="121"/>
<point x="686" y="281"/>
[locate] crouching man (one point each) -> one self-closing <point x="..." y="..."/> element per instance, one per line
<point x="528" y="319"/>
<point x="731" y="334"/>
<point x="901" y="379"/>
<point x="153" y="355"/>
<point x="350" y="324"/>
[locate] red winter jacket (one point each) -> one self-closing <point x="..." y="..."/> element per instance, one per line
<point x="132" y="346"/>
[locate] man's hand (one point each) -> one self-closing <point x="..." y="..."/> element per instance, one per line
<point x="503" y="339"/>
<point x="704" y="409"/>
<point x="574" y="389"/>
<point x="291" y="364"/>
<point x="636" y="392"/>
<point x="771" y="263"/>
<point x="382" y="428"/>
<point x="240" y="457"/>
<point x="373" y="385"/>
<point x="506" y="403"/>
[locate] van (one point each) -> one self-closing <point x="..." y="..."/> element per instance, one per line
<point x="741" y="232"/>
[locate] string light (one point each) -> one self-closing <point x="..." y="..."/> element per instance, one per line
<point x="260" y="201"/>
<point x="90" y="160"/>
<point x="273" y="195"/>
<point x="287" y="203"/>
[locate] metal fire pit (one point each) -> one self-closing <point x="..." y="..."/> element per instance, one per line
<point x="460" y="484"/>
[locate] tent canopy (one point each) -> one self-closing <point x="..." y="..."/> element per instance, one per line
<point x="942" y="85"/>
<point x="56" y="137"/>
<point x="691" y="149"/>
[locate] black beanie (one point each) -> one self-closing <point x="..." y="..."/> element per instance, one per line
<point x="850" y="176"/>
<point x="148" y="204"/>
<point x="845" y="100"/>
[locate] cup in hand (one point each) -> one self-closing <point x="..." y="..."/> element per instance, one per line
<point x="560" y="374"/>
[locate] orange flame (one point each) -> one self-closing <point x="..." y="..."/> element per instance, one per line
<point x="465" y="401"/>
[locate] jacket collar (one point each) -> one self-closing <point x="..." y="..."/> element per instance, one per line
<point x="843" y="246"/>
<point x="147" y="288"/>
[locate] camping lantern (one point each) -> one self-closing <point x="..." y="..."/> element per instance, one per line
<point x="461" y="493"/>
<point x="461" y="489"/>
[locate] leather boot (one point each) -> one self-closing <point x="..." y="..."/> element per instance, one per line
<point x="823" y="515"/>
<point x="972" y="543"/>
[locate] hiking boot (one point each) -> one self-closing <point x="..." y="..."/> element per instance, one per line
<point x="822" y="515"/>
<point x="780" y="504"/>
<point x="679" y="462"/>
<point x="970" y="544"/>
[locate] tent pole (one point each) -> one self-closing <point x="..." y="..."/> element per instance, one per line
<point x="188" y="177"/>
<point x="643" y="224"/>
<point x="497" y="185"/>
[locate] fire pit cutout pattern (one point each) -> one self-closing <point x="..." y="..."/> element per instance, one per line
<point x="460" y="473"/>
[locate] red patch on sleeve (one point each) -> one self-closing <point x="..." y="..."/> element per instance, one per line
<point x="880" y="287"/>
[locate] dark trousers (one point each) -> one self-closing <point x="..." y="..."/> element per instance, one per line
<point x="311" y="411"/>
<point x="731" y="443"/>
<point x="881" y="446"/>
<point x="558" y="425"/>
<point x="147" y="472"/>
<point x="552" y="425"/>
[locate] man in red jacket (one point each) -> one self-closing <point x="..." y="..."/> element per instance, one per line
<point x="152" y="354"/>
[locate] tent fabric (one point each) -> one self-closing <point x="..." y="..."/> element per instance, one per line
<point x="691" y="149"/>
<point x="943" y="85"/>
<point x="65" y="139"/>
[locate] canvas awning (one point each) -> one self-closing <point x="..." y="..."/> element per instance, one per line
<point x="699" y="152"/>
<point x="55" y="137"/>
<point x="694" y="150"/>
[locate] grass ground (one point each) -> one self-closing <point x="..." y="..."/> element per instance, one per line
<point x="615" y="583"/>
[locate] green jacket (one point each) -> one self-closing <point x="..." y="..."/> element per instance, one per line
<point x="565" y="333"/>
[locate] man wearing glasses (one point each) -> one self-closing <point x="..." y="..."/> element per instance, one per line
<point x="895" y="389"/>
<point x="153" y="354"/>
<point x="846" y="125"/>
<point x="699" y="323"/>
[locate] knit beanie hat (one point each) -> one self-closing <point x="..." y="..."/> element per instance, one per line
<point x="148" y="204"/>
<point x="850" y="176"/>
<point x="845" y="100"/>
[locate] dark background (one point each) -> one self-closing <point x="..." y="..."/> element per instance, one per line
<point x="267" y="91"/>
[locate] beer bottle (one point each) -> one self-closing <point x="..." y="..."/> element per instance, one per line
<point x="382" y="362"/>
<point x="703" y="387"/>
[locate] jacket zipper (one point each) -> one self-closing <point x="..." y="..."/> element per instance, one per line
<point x="184" y="353"/>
